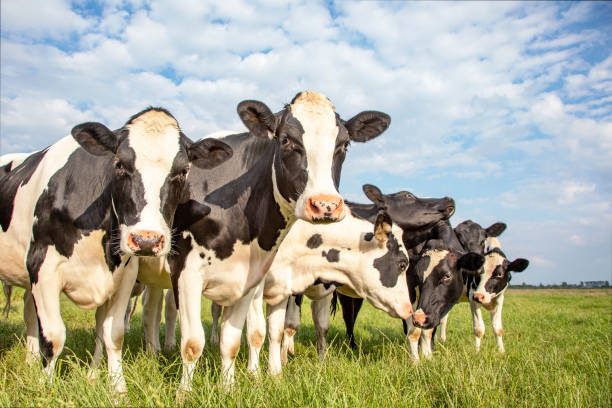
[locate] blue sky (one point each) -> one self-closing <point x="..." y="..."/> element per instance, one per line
<point x="506" y="107"/>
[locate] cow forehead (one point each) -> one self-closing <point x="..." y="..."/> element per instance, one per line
<point x="155" y="138"/>
<point x="435" y="257"/>
<point x="316" y="114"/>
<point x="492" y="260"/>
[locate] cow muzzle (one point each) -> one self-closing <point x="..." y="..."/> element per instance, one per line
<point x="404" y="311"/>
<point x="478" y="297"/>
<point x="146" y="243"/>
<point x="419" y="318"/>
<point x="324" y="208"/>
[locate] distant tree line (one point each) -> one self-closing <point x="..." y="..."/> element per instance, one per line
<point x="565" y="285"/>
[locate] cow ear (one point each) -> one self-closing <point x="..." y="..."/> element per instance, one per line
<point x="382" y="227"/>
<point x="374" y="194"/>
<point x="470" y="263"/>
<point x="208" y="153"/>
<point x="518" y="265"/>
<point x="367" y="125"/>
<point x="95" y="138"/>
<point x="496" y="229"/>
<point x="258" y="118"/>
<point x="188" y="214"/>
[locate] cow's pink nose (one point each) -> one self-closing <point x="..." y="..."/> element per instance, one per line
<point x="419" y="317"/>
<point x="145" y="242"/>
<point x="324" y="207"/>
<point x="479" y="297"/>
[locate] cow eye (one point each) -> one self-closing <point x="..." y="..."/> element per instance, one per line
<point x="285" y="141"/>
<point x="403" y="265"/>
<point x="447" y="277"/>
<point x="185" y="171"/>
<point x="347" y="144"/>
<point x="119" y="166"/>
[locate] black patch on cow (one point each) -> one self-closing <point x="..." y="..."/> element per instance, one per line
<point x="10" y="183"/>
<point x="173" y="191"/>
<point x="298" y="299"/>
<point x="388" y="265"/>
<point x="128" y="185"/>
<point x="202" y="255"/>
<point x="314" y="241"/>
<point x="5" y="169"/>
<point x="496" y="251"/>
<point x="368" y="237"/>
<point x="333" y="255"/>
<point x="176" y="260"/>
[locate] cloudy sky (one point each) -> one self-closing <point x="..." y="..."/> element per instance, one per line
<point x="506" y="107"/>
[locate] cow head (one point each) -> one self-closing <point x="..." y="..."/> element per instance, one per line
<point x="312" y="142"/>
<point x="440" y="273"/>
<point x="149" y="160"/>
<point x="495" y="275"/>
<point x="408" y="211"/>
<point x="472" y="236"/>
<point x="382" y="278"/>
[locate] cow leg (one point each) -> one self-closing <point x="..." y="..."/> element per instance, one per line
<point x="97" y="356"/>
<point x="232" y="323"/>
<point x="192" y="333"/>
<point x="426" y="342"/>
<point x="320" y="317"/>
<point x="152" y="301"/>
<point x="170" y="315"/>
<point x="414" y="334"/>
<point x="276" y="323"/>
<point x="443" y="323"/>
<point x="292" y="324"/>
<point x="215" y="311"/>
<point x="128" y="314"/>
<point x="31" y="323"/>
<point x="51" y="329"/>
<point x="8" y="292"/>
<point x="350" y="310"/>
<point x="496" y="322"/>
<point x="113" y="331"/>
<point x="477" y="322"/>
<point x="256" y="328"/>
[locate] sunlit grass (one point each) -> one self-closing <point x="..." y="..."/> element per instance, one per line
<point x="558" y="353"/>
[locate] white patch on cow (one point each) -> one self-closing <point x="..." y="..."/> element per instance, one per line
<point x="296" y="266"/>
<point x="317" y="116"/>
<point x="492" y="261"/>
<point x="435" y="257"/>
<point x="154" y="136"/>
<point x="16" y="158"/>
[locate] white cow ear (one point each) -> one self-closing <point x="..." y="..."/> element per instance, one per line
<point x="96" y="138"/>
<point x="257" y="117"/>
<point x="209" y="153"/>
<point x="382" y="228"/>
<point x="367" y="125"/>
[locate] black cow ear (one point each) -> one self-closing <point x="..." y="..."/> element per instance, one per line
<point x="518" y="265"/>
<point x="257" y="117"/>
<point x="374" y="194"/>
<point x="496" y="229"/>
<point x="382" y="227"/>
<point x="189" y="213"/>
<point x="367" y="125"/>
<point x="470" y="263"/>
<point x="208" y="153"/>
<point x="95" y="138"/>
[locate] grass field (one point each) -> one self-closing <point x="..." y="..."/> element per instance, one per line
<point x="558" y="353"/>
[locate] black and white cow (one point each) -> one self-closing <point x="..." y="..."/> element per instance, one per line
<point x="286" y="168"/>
<point x="77" y="216"/>
<point x="412" y="214"/>
<point x="437" y="280"/>
<point x="486" y="289"/>
<point x="366" y="257"/>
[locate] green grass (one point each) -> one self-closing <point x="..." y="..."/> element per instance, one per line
<point x="558" y="353"/>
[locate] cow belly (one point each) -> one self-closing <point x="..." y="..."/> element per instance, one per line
<point x="12" y="265"/>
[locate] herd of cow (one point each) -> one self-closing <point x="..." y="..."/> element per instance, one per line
<point x="240" y="218"/>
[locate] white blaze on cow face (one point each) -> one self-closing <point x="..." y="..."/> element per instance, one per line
<point x="317" y="117"/>
<point x="435" y="257"/>
<point x="155" y="139"/>
<point x="492" y="261"/>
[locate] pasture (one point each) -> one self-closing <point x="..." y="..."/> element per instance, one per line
<point x="558" y="353"/>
